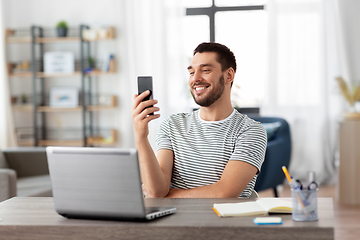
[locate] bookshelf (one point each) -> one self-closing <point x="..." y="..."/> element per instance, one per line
<point x="46" y="75"/>
<point x="29" y="107"/>
<point x="39" y="107"/>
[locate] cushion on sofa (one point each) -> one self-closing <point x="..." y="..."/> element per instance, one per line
<point x="271" y="129"/>
<point x="3" y="163"/>
<point x="28" y="176"/>
<point x="35" y="186"/>
<point x="7" y="183"/>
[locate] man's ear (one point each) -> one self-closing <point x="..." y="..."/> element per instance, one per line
<point x="229" y="75"/>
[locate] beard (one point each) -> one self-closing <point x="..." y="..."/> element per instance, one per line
<point x="211" y="96"/>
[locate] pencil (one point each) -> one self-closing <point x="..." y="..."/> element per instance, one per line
<point x="217" y="213"/>
<point x="287" y="174"/>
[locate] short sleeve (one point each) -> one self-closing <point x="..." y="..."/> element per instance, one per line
<point x="163" y="140"/>
<point x="250" y="146"/>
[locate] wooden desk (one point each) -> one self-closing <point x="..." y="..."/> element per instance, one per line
<point x="35" y="218"/>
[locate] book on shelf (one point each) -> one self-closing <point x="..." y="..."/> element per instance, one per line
<point x="108" y="64"/>
<point x="260" y="207"/>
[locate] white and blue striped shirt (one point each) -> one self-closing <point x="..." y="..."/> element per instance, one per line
<point x="203" y="148"/>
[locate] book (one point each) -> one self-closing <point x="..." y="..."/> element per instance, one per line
<point x="108" y="64"/>
<point x="260" y="207"/>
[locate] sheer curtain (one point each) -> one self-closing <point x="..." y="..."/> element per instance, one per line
<point x="301" y="86"/>
<point x="152" y="36"/>
<point x="348" y="39"/>
<point x="7" y="135"/>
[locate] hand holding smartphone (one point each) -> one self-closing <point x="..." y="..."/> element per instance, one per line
<point x="145" y="83"/>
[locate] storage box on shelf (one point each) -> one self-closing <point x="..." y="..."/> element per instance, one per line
<point x="39" y="105"/>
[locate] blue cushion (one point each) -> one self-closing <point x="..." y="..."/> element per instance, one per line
<point x="271" y="129"/>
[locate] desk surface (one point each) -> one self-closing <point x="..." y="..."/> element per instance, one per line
<point x="35" y="218"/>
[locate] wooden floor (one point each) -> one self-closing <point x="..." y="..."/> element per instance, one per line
<point x="347" y="218"/>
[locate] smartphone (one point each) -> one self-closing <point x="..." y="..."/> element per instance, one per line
<point x="145" y="83"/>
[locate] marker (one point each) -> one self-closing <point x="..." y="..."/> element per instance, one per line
<point x="311" y="180"/>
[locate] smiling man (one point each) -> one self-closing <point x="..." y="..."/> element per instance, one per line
<point x="213" y="152"/>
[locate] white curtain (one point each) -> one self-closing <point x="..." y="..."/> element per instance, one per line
<point x="7" y="135"/>
<point x="349" y="39"/>
<point x="152" y="36"/>
<point x="303" y="63"/>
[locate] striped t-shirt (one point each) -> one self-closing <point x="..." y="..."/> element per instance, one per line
<point x="203" y="148"/>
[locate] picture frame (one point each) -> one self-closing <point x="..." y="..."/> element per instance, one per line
<point x="59" y="62"/>
<point x="64" y="97"/>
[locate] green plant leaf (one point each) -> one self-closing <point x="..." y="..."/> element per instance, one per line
<point x="61" y="24"/>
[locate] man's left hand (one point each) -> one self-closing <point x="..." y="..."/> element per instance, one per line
<point x="145" y="192"/>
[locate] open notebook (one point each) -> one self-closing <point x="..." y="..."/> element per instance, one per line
<point x="260" y="207"/>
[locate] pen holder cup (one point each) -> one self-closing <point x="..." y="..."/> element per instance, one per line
<point x="304" y="205"/>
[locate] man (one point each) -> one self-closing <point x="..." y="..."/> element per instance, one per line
<point x="213" y="152"/>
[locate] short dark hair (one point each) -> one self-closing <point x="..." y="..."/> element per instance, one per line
<point x="224" y="55"/>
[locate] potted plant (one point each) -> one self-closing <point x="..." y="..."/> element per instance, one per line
<point x="351" y="95"/>
<point x="91" y="62"/>
<point x="61" y="29"/>
<point x="24" y="98"/>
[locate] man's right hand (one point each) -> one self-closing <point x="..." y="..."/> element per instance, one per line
<point x="140" y="114"/>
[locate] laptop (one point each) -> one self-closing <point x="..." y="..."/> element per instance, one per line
<point x="99" y="183"/>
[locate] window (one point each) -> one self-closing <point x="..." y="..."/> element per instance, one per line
<point x="242" y="28"/>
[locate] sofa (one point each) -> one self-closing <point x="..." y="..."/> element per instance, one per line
<point x="24" y="172"/>
<point x="278" y="153"/>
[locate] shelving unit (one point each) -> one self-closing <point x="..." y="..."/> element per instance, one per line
<point x="94" y="140"/>
<point x="39" y="107"/>
<point x="45" y="75"/>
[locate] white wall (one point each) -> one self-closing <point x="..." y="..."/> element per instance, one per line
<point x="24" y="13"/>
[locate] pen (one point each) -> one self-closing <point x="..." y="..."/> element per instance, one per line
<point x="299" y="183"/>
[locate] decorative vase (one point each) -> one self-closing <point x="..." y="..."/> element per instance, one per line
<point x="353" y="112"/>
<point x="61" y="32"/>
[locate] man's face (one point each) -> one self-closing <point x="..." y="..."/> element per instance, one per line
<point x="206" y="79"/>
